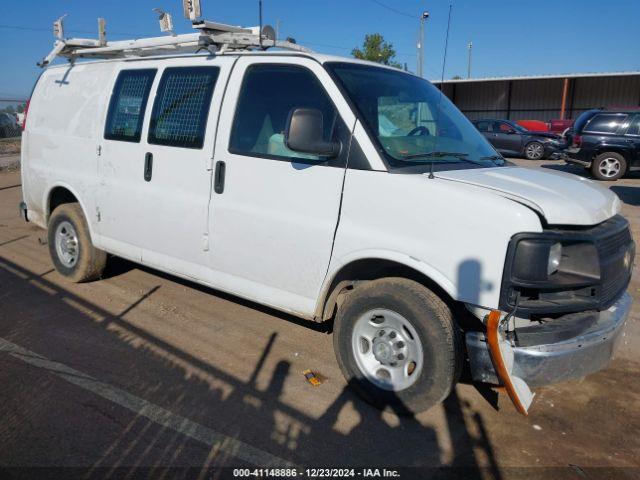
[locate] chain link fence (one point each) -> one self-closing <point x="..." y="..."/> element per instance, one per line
<point x="11" y="117"/>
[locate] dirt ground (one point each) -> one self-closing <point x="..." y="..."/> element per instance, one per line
<point x="143" y="374"/>
<point x="10" y="146"/>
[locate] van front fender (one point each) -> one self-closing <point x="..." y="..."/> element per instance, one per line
<point x="361" y="263"/>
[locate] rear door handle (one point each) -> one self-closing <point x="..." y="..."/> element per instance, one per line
<point x="218" y="177"/>
<point x="148" y="166"/>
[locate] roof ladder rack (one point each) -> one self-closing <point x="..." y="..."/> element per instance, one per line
<point x="210" y="36"/>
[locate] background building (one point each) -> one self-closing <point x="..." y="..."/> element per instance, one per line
<point x="543" y="97"/>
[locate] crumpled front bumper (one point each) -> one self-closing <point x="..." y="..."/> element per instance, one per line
<point x="543" y="364"/>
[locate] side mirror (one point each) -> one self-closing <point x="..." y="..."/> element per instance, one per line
<point x="304" y="133"/>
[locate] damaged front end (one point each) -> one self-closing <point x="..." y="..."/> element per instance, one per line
<point x="565" y="291"/>
<point x="565" y="348"/>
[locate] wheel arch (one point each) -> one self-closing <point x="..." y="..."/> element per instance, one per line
<point x="372" y="266"/>
<point x="620" y="150"/>
<point x="59" y="194"/>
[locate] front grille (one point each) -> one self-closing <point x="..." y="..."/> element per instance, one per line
<point x="616" y="252"/>
<point x="611" y="245"/>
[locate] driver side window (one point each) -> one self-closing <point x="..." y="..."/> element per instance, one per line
<point x="502" y="127"/>
<point x="270" y="93"/>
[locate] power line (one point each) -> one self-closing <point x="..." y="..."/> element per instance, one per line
<point x="394" y="10"/>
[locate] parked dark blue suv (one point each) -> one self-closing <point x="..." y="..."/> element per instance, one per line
<point x="606" y="142"/>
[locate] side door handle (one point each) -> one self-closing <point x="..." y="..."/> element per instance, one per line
<point x="148" y="166"/>
<point x="218" y="177"/>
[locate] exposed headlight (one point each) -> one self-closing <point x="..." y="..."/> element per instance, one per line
<point x="536" y="259"/>
<point x="555" y="255"/>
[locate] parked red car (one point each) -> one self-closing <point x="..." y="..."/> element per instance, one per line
<point x="559" y="126"/>
<point x="553" y="126"/>
<point x="534" y="125"/>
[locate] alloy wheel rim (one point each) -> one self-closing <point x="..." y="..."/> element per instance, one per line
<point x="387" y="349"/>
<point x="534" y="151"/>
<point x="609" y="167"/>
<point x="66" y="244"/>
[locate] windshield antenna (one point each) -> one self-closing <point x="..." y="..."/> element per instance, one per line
<point x="444" y="63"/>
<point x="260" y="14"/>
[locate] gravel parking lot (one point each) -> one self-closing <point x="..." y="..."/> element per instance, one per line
<point x="145" y="373"/>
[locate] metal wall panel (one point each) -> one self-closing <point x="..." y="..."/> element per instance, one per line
<point x="541" y="99"/>
<point x="482" y="96"/>
<point x="622" y="92"/>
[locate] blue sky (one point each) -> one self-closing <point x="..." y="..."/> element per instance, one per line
<point x="510" y="37"/>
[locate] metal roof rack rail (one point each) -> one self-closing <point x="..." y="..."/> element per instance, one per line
<point x="211" y="36"/>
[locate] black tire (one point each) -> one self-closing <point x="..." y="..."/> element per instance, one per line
<point x="613" y="160"/>
<point x="89" y="261"/>
<point x="534" y="151"/>
<point x="441" y="340"/>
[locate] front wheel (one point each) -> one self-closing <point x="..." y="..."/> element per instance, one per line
<point x="70" y="247"/>
<point x="534" y="151"/>
<point x="608" y="166"/>
<point x="397" y="345"/>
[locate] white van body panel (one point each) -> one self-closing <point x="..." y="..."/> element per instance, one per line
<point x="562" y="198"/>
<point x="174" y="206"/>
<point x="64" y="115"/>
<point x="283" y="215"/>
<point x="454" y="234"/>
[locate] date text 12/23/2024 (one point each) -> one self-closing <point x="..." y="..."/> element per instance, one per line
<point x="315" y="473"/>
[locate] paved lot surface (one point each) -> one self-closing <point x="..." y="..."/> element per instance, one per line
<point x="145" y="374"/>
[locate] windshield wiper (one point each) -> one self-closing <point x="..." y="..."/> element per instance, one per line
<point x="439" y="154"/>
<point x="458" y="155"/>
<point x="493" y="157"/>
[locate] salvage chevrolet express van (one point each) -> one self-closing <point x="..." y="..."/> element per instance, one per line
<point x="332" y="188"/>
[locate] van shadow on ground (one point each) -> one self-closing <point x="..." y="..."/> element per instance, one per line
<point x="40" y="316"/>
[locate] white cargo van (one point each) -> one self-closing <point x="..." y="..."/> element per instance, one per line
<point x="331" y="188"/>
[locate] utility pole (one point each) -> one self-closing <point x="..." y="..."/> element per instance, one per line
<point x="278" y="29"/>
<point x="470" y="46"/>
<point x="423" y="19"/>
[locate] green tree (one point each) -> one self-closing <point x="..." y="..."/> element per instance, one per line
<point x="376" y="49"/>
<point x="456" y="77"/>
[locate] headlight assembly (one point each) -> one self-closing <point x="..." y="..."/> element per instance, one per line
<point x="536" y="259"/>
<point x="567" y="269"/>
<point x="555" y="255"/>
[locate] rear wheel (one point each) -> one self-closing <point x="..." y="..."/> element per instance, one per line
<point x="70" y="247"/>
<point x="397" y="345"/>
<point x="534" y="151"/>
<point x="609" y="166"/>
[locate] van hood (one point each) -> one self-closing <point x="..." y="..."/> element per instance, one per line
<point x="561" y="198"/>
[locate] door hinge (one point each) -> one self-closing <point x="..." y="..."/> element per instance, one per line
<point x="98" y="216"/>
<point x="99" y="150"/>
<point x="205" y="242"/>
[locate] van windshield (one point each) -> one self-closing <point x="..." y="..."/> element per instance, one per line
<point x="411" y="121"/>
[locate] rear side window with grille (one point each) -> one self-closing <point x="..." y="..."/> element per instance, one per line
<point x="181" y="107"/>
<point x="127" y="105"/>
